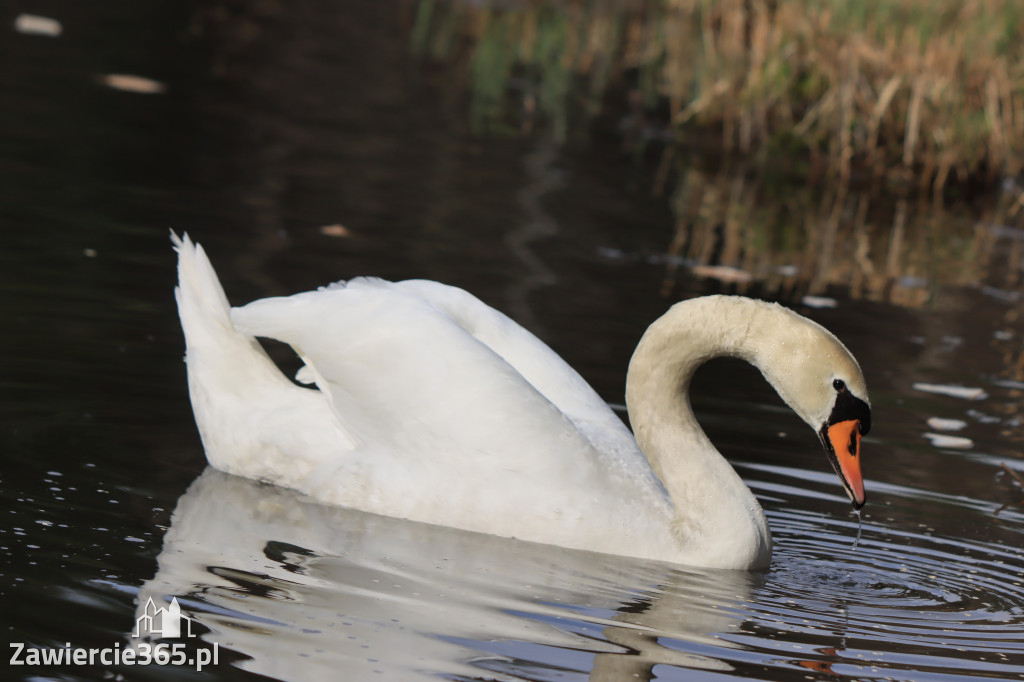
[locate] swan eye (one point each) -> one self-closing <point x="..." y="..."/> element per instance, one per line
<point x="839" y="385"/>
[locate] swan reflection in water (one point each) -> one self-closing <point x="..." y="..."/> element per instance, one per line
<point x="302" y="590"/>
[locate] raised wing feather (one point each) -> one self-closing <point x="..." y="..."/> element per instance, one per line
<point x="433" y="384"/>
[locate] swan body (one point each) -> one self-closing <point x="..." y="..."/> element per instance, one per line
<point x="427" y="404"/>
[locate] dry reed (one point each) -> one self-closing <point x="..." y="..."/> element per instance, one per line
<point x="931" y="89"/>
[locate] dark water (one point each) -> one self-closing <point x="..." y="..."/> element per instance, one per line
<point x="276" y="122"/>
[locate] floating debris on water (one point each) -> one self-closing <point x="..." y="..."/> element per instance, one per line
<point x="819" y="302"/>
<point x="336" y="230"/>
<point x="983" y="418"/>
<point x="942" y="440"/>
<point x="940" y="424"/>
<point x="1007" y="296"/>
<point x="965" y="392"/>
<point x="611" y="253"/>
<point x="35" y="25"/>
<point x="132" y="83"/>
<point x="722" y="273"/>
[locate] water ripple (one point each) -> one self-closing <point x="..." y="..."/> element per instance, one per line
<point x="899" y="601"/>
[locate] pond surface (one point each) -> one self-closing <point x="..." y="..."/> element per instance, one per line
<point x="305" y="146"/>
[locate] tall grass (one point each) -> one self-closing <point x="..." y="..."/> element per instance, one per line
<point x="909" y="90"/>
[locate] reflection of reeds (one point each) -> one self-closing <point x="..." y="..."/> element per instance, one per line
<point x="810" y="239"/>
<point x="879" y="86"/>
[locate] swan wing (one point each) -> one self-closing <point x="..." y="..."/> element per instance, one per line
<point x="435" y="388"/>
<point x="536" y="362"/>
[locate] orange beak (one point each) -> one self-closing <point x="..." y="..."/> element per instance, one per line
<point x="842" y="442"/>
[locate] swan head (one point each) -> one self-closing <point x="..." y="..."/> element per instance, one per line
<point x="820" y="379"/>
<point x="841" y="433"/>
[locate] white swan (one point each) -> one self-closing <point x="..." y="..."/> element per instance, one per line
<point x="435" y="407"/>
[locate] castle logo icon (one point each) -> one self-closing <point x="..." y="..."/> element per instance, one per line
<point x="162" y="622"/>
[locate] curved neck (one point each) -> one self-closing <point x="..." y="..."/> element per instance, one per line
<point x="715" y="512"/>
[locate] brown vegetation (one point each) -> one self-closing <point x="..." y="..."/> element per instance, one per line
<point x="887" y="88"/>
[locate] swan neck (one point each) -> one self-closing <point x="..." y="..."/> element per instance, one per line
<point x="675" y="346"/>
<point x="712" y="505"/>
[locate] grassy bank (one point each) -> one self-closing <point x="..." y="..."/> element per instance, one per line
<point x="918" y="91"/>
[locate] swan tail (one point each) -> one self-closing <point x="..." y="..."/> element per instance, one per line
<point x="202" y="305"/>
<point x="252" y="419"/>
<point x="219" y="355"/>
<point x="226" y="368"/>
